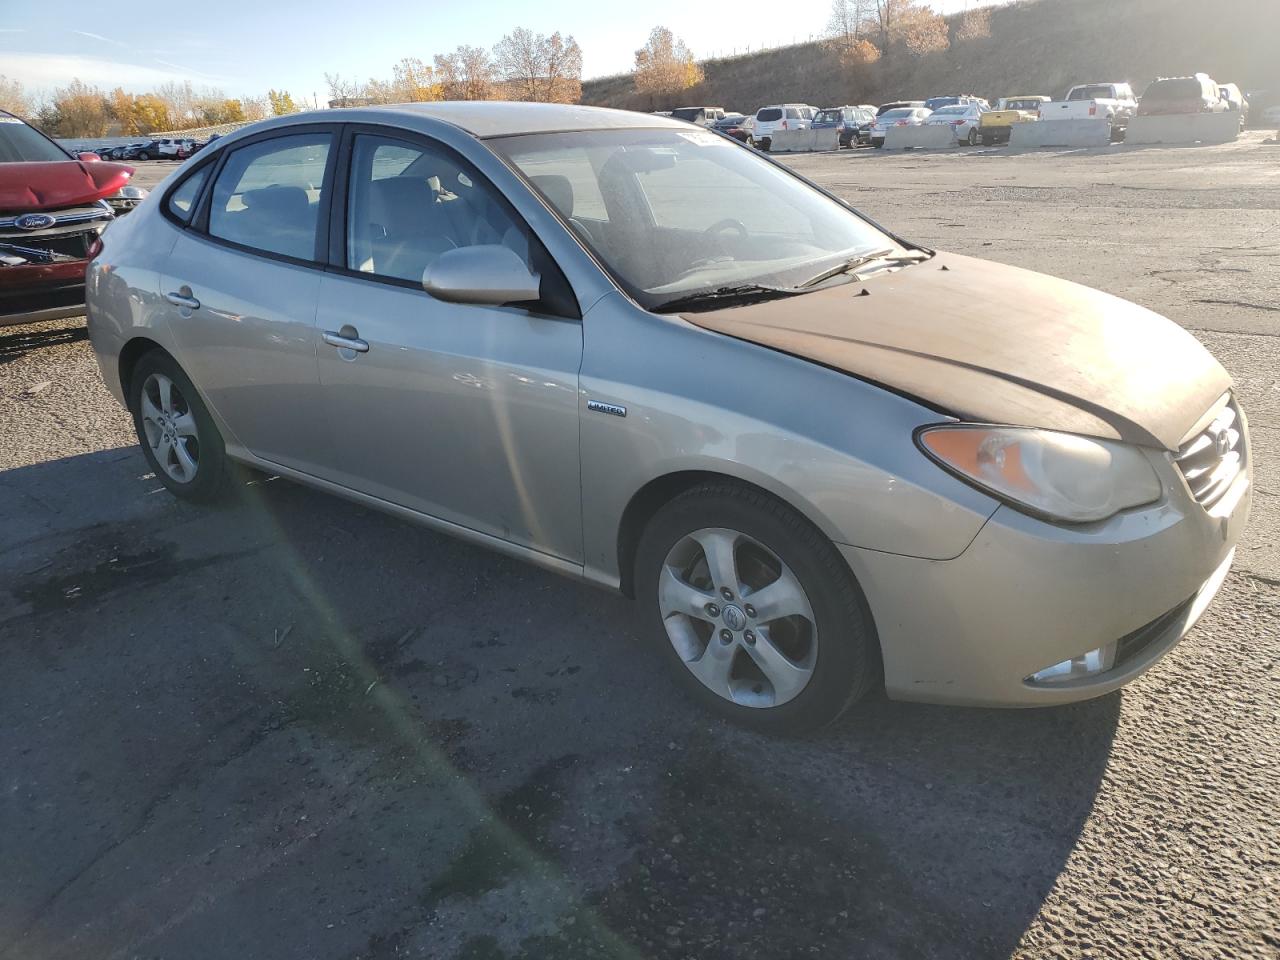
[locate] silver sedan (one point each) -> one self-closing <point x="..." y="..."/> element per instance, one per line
<point x="820" y="457"/>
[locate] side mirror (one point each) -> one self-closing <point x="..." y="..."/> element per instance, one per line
<point x="88" y="157"/>
<point x="485" y="274"/>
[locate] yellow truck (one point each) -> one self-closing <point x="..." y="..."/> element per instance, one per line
<point x="996" y="125"/>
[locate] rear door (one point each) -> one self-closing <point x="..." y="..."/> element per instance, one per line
<point x="242" y="284"/>
<point x="464" y="412"/>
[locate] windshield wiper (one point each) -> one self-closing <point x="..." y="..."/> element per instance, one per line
<point x="738" y="294"/>
<point x="845" y="266"/>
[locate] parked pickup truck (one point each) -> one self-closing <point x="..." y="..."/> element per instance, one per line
<point x="1090" y="101"/>
<point x="997" y="125"/>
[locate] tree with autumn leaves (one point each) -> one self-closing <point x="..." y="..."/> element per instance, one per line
<point x="859" y="32"/>
<point x="665" y="67"/>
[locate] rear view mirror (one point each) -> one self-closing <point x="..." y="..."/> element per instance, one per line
<point x="486" y="274"/>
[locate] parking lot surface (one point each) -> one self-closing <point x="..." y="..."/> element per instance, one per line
<point x="292" y="728"/>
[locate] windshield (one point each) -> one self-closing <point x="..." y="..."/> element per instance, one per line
<point x="674" y="213"/>
<point x="687" y="113"/>
<point x="950" y="111"/>
<point x="19" y="142"/>
<point x="829" y="116"/>
<point x="769" y="113"/>
<point x="1023" y="105"/>
<point x="900" y="114"/>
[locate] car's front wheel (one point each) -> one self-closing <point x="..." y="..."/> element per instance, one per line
<point x="755" y="610"/>
<point x="177" y="433"/>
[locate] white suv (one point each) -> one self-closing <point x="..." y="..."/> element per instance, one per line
<point x="781" y="116"/>
<point x="178" y="148"/>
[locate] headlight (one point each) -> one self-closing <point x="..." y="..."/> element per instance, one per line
<point x="1059" y="476"/>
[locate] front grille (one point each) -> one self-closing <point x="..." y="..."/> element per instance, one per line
<point x="1214" y="457"/>
<point x="73" y="236"/>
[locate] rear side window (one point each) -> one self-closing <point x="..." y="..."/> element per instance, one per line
<point x="793" y="113"/>
<point x="769" y="114"/>
<point x="182" y="201"/>
<point x="267" y="195"/>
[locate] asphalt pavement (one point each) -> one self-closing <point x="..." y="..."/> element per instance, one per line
<point x="290" y="727"/>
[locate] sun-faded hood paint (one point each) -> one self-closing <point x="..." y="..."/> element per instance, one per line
<point x="50" y="184"/>
<point x="996" y="344"/>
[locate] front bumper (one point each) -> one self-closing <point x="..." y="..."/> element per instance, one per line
<point x="35" y="293"/>
<point x="1027" y="595"/>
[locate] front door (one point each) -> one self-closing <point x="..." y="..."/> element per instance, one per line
<point x="464" y="412"/>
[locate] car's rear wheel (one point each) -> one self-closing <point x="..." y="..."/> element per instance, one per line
<point x="973" y="138"/>
<point x="988" y="140"/>
<point x="754" y="609"/>
<point x="177" y="433"/>
<point x="765" y="144"/>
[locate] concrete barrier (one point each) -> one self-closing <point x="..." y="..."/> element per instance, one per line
<point x="926" y="137"/>
<point x="1184" y="128"/>
<point x="804" y="141"/>
<point x="1061" y="133"/>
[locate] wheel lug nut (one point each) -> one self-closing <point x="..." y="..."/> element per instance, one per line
<point x="749" y="637"/>
<point x="726" y="593"/>
<point x="713" y="610"/>
<point x="751" y="611"/>
<point x="726" y="636"/>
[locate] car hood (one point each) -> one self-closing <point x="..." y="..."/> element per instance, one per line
<point x="47" y="185"/>
<point x="996" y="344"/>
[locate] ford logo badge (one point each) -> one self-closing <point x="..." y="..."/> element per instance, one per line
<point x="34" y="221"/>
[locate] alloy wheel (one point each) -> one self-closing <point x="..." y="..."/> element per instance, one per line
<point x="170" y="428"/>
<point x="738" y="617"/>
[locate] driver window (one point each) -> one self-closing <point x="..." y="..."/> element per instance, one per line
<point x="408" y="204"/>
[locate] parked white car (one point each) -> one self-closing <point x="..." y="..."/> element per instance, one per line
<point x="781" y="116"/>
<point x="1089" y="101"/>
<point x="897" y="117"/>
<point x="177" y="148"/>
<point x="702" y="116"/>
<point x="963" y="120"/>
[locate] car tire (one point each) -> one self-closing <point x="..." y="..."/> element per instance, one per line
<point x="765" y="144"/>
<point x="973" y="138"/>
<point x="750" y="141"/>
<point x="181" y="442"/>
<point x="988" y="141"/>
<point x="822" y="658"/>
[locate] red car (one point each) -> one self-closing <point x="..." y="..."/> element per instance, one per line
<point x="53" y="207"/>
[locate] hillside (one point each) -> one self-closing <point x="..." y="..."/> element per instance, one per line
<point x="1035" y="46"/>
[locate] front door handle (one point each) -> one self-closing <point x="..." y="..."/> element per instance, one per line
<point x="346" y="339"/>
<point x="183" y="300"/>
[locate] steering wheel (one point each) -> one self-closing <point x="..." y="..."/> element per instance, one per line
<point x="729" y="223"/>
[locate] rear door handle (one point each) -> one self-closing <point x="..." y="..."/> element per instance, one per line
<point x="344" y="341"/>
<point x="183" y="300"/>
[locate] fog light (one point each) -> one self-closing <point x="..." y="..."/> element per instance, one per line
<point x="1085" y="665"/>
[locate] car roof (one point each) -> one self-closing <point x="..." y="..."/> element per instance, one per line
<point x="500" y="118"/>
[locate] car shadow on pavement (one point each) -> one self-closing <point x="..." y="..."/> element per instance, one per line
<point x="14" y="345"/>
<point x="290" y="726"/>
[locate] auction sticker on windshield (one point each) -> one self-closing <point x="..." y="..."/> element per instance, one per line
<point x="705" y="139"/>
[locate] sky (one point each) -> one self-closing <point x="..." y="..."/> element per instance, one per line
<point x="246" y="47"/>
